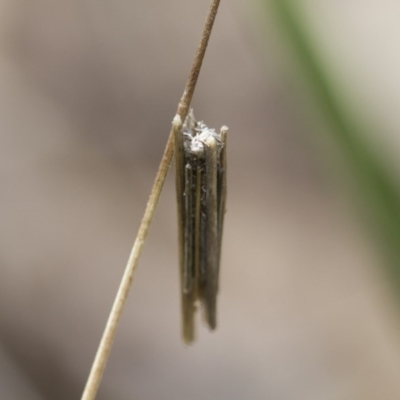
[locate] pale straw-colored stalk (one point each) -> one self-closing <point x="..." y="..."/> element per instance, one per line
<point x="103" y="352"/>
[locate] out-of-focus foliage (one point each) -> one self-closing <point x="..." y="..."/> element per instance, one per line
<point x="377" y="191"/>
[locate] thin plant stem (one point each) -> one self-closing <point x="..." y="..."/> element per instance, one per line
<point x="103" y="352"/>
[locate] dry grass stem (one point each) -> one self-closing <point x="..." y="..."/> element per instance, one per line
<point x="107" y="339"/>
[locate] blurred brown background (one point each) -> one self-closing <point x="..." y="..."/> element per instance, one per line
<point x="88" y="92"/>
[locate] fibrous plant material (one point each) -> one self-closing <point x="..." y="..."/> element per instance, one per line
<point x="200" y="162"/>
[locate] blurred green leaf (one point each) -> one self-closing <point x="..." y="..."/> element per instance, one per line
<point x="379" y="196"/>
